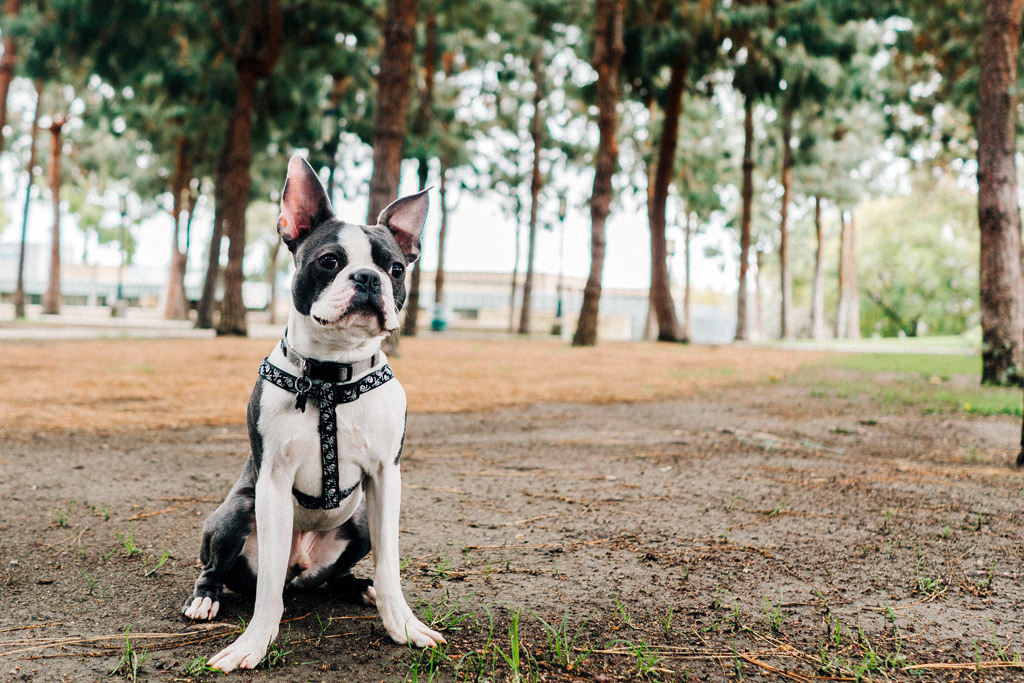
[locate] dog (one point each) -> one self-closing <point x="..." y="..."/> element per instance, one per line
<point x="326" y="419"/>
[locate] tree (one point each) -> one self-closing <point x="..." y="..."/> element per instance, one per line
<point x="11" y="9"/>
<point x="19" y="292"/>
<point x="1002" y="286"/>
<point x="704" y="164"/>
<point x="255" y="53"/>
<point x="389" y="118"/>
<point x="607" y="62"/>
<point x="668" y="37"/>
<point x="537" y="129"/>
<point x="755" y="75"/>
<point x="52" y="298"/>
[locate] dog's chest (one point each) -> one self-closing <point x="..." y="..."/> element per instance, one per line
<point x="369" y="432"/>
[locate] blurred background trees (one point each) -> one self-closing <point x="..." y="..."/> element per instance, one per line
<point x="855" y="160"/>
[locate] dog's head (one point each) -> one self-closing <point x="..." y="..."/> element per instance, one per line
<point x="349" y="279"/>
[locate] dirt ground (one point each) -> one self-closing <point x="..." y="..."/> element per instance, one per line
<point x="756" y="528"/>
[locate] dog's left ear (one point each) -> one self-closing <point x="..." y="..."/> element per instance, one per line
<point x="404" y="218"/>
<point x="304" y="202"/>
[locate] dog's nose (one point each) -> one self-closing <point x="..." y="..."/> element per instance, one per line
<point x="367" y="281"/>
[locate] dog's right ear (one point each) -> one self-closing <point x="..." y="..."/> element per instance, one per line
<point x="304" y="202"/>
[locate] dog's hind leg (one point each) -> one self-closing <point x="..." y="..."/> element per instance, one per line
<point x="341" y="581"/>
<point x="224" y="534"/>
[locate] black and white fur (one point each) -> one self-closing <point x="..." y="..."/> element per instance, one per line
<point x="348" y="288"/>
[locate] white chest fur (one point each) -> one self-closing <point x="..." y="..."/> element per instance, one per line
<point x="369" y="433"/>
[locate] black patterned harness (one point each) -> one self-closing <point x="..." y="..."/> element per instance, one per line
<point x="327" y="395"/>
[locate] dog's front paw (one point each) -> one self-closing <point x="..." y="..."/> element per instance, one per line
<point x="245" y="653"/>
<point x="201" y="608"/>
<point x="414" y="631"/>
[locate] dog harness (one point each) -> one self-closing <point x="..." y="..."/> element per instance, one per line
<point x="328" y="384"/>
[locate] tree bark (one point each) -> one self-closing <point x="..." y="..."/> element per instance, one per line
<point x="389" y="118"/>
<point x="233" y="175"/>
<point x="176" y="304"/>
<point x="852" y="287"/>
<point x="12" y="8"/>
<point x="607" y="61"/>
<point x="1002" y="287"/>
<point x="275" y="250"/>
<point x="758" y="291"/>
<point x="661" y="291"/>
<point x="255" y="56"/>
<point x="742" y="326"/>
<point x="848" y="315"/>
<point x="687" y="317"/>
<point x="786" y="313"/>
<point x="19" y="291"/>
<point x="818" y="295"/>
<point x="515" y="265"/>
<point x="439" y="273"/>
<point x="423" y="121"/>
<point x="412" y="302"/>
<point x="536" y="183"/>
<point x="52" y="297"/>
<point x="204" y="311"/>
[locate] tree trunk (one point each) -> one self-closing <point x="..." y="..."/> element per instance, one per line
<point x="848" y="315"/>
<point x="439" y="273"/>
<point x="536" y="182"/>
<point x="661" y="290"/>
<point x="11" y="9"/>
<point x="607" y="61"/>
<point x="515" y="266"/>
<point x="176" y="305"/>
<point x="233" y="175"/>
<point x="412" y="302"/>
<point x="758" y="291"/>
<point x="275" y="250"/>
<point x="1002" y="287"/>
<point x="818" y="295"/>
<point x="255" y="57"/>
<point x="786" y="322"/>
<point x="423" y="121"/>
<point x="19" y="291"/>
<point x="52" y="296"/>
<point x="687" y="317"/>
<point x="742" y="327"/>
<point x="204" y="311"/>
<point x="392" y="100"/>
<point x="852" y="289"/>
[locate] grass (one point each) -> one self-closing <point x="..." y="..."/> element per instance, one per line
<point x="447" y="614"/>
<point x="128" y="542"/>
<point x="562" y="644"/>
<point x="931" y="384"/>
<point x="130" y="661"/>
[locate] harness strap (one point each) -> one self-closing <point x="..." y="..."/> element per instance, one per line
<point x="327" y="395"/>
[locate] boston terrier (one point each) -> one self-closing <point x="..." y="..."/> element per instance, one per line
<point x="322" y="485"/>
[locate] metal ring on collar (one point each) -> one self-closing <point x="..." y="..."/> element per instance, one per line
<point x="303" y="388"/>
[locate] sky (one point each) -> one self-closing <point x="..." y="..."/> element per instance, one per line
<point x="480" y="236"/>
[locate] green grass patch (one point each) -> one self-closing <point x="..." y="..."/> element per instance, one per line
<point x="923" y="364"/>
<point x="931" y="384"/>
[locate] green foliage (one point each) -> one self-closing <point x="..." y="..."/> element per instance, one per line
<point x="919" y="262"/>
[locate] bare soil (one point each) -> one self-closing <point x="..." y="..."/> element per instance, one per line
<point x="738" y="528"/>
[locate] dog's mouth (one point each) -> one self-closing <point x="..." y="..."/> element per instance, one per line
<point x="360" y="313"/>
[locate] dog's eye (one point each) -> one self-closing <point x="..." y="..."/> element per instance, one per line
<point x="329" y="261"/>
<point x="397" y="270"/>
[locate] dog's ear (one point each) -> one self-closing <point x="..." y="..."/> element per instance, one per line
<point x="404" y="218"/>
<point x="304" y="202"/>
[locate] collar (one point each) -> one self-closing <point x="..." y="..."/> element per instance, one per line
<point x="327" y="371"/>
